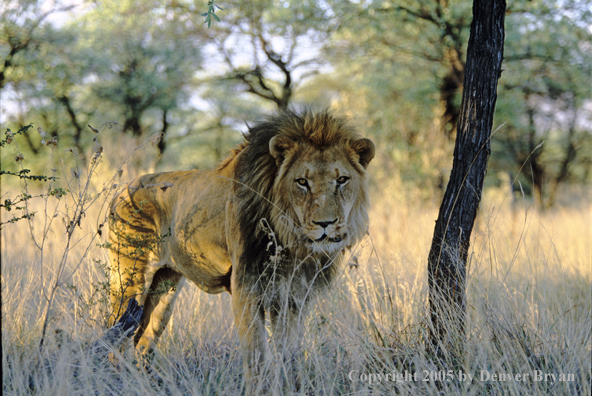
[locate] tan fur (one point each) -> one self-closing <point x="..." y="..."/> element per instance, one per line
<point x="268" y="225"/>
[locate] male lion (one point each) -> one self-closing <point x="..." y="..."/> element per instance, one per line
<point x="268" y="225"/>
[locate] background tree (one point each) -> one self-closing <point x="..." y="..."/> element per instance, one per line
<point x="547" y="131"/>
<point x="21" y="23"/>
<point x="447" y="259"/>
<point x="429" y="34"/>
<point x="56" y="89"/>
<point x="32" y="71"/>
<point x="268" y="47"/>
<point x="144" y="65"/>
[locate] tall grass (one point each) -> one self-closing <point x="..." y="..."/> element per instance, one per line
<point x="529" y="313"/>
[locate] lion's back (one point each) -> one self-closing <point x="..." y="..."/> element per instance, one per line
<point x="145" y="200"/>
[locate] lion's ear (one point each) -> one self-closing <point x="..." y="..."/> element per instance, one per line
<point x="278" y="145"/>
<point x="365" y="150"/>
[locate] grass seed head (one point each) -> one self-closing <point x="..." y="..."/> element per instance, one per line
<point x="53" y="143"/>
<point x="155" y="139"/>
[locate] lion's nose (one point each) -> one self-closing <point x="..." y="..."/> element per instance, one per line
<point x="320" y="201"/>
<point x="324" y="224"/>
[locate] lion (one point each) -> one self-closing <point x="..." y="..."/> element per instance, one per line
<point x="269" y="225"/>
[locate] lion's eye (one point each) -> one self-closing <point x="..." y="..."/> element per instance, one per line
<point x="302" y="182"/>
<point x="342" y="180"/>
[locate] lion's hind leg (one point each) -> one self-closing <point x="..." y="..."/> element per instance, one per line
<point x="158" y="308"/>
<point x="127" y="278"/>
<point x="132" y="242"/>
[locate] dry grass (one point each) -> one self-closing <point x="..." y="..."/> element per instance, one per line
<point x="529" y="306"/>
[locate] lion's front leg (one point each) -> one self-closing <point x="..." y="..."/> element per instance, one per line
<point x="287" y="339"/>
<point x="249" y="317"/>
<point x="287" y="331"/>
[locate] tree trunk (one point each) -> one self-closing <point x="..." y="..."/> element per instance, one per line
<point x="165" y="126"/>
<point x="450" y="244"/>
<point x="67" y="102"/>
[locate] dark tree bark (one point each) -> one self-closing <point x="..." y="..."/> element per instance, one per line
<point x="165" y="126"/>
<point x="67" y="103"/>
<point x="450" y="244"/>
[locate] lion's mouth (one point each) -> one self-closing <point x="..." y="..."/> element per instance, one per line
<point x="325" y="238"/>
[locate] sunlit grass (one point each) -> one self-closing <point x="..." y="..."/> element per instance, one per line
<point x="528" y="298"/>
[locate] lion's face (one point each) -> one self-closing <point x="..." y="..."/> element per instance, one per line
<point x="320" y="191"/>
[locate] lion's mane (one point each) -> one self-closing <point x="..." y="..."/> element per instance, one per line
<point x="258" y="190"/>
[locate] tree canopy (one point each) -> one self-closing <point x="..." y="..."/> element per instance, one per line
<point x="395" y="67"/>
